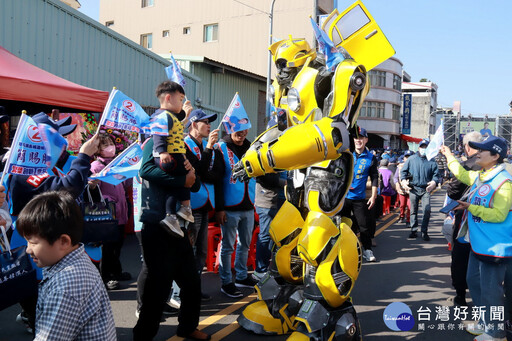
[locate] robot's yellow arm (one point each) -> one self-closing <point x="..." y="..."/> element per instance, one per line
<point x="297" y="147"/>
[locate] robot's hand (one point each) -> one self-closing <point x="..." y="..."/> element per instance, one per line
<point x="239" y="172"/>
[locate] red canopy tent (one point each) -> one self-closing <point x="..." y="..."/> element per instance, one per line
<point x="22" y="81"/>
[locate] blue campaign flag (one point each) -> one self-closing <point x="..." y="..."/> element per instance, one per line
<point x="126" y="165"/>
<point x="53" y="142"/>
<point x="157" y="125"/>
<point x="173" y="72"/>
<point x="122" y="112"/>
<point x="326" y="47"/>
<point x="236" y="119"/>
<point x="28" y="154"/>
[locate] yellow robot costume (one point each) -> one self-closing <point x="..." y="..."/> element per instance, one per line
<point x="316" y="257"/>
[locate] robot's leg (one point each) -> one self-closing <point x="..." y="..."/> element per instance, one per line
<point x="319" y="322"/>
<point x="274" y="313"/>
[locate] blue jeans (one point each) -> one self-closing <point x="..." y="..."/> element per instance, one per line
<point x="486" y="288"/>
<point x="263" y="244"/>
<point x="243" y="223"/>
<point x="415" y="198"/>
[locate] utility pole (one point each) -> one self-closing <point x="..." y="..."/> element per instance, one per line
<point x="269" y="63"/>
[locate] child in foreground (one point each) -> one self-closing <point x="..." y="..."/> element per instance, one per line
<point x="73" y="303"/>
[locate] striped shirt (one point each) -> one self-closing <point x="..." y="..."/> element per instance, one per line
<point x="73" y="303"/>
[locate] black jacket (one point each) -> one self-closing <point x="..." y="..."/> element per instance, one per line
<point x="155" y="186"/>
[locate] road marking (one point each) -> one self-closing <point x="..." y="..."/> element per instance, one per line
<point x="220" y="315"/>
<point x="225" y="331"/>
<point x="392" y="221"/>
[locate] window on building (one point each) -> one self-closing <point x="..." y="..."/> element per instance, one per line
<point x="372" y="109"/>
<point x="377" y="78"/>
<point x="146" y="40"/>
<point x="147" y="3"/>
<point x="397" y="82"/>
<point x="165" y="34"/>
<point x="109" y="23"/>
<point x="210" y="32"/>
<point x="396" y="112"/>
<point x="186" y="30"/>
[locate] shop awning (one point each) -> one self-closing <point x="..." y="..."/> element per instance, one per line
<point x="22" y="81"/>
<point x="408" y="138"/>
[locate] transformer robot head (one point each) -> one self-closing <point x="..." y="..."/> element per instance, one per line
<point x="289" y="55"/>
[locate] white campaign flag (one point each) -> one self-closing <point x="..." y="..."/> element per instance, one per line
<point x="436" y="143"/>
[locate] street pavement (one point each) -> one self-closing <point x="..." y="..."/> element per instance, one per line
<point x="414" y="272"/>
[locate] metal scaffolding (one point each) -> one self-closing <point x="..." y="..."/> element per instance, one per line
<point x="504" y="128"/>
<point x="451" y="130"/>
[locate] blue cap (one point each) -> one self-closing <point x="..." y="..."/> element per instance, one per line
<point x="63" y="126"/>
<point x="493" y="144"/>
<point x="409" y="153"/>
<point x="424" y="141"/>
<point x="362" y="132"/>
<point x="198" y="114"/>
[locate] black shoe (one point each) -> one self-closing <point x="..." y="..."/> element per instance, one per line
<point x="205" y="297"/>
<point x="460" y="301"/>
<point x="413" y="234"/>
<point x="123" y="276"/>
<point x="231" y="290"/>
<point x="426" y="237"/>
<point x="248" y="282"/>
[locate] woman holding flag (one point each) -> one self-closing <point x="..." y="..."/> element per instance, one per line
<point x="110" y="268"/>
<point x="486" y="225"/>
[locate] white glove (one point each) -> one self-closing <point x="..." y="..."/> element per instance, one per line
<point x="405" y="185"/>
<point x="431" y="186"/>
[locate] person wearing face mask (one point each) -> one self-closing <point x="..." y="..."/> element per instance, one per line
<point x="110" y="266"/>
<point x="420" y="176"/>
<point x="235" y="213"/>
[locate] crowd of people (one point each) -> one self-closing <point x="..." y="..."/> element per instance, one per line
<point x="185" y="177"/>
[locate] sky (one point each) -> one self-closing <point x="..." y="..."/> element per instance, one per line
<point x="463" y="46"/>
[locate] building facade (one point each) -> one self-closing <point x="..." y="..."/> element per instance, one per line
<point x="380" y="113"/>
<point x="231" y="32"/>
<point x="424" y="104"/>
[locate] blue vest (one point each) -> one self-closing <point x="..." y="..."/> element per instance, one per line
<point x="490" y="239"/>
<point x="234" y="190"/>
<point x="206" y="191"/>
<point x="361" y="171"/>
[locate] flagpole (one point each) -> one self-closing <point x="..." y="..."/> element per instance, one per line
<point x="107" y="106"/>
<point x="14" y="142"/>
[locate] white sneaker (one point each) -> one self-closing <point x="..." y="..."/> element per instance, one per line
<point x="487" y="337"/>
<point x="175" y="302"/>
<point x="172" y="226"/>
<point x="368" y="256"/>
<point x="186" y="213"/>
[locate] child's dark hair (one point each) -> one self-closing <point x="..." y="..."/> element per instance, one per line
<point x="168" y="87"/>
<point x="50" y="215"/>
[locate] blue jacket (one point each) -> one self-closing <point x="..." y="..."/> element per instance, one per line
<point x="420" y="171"/>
